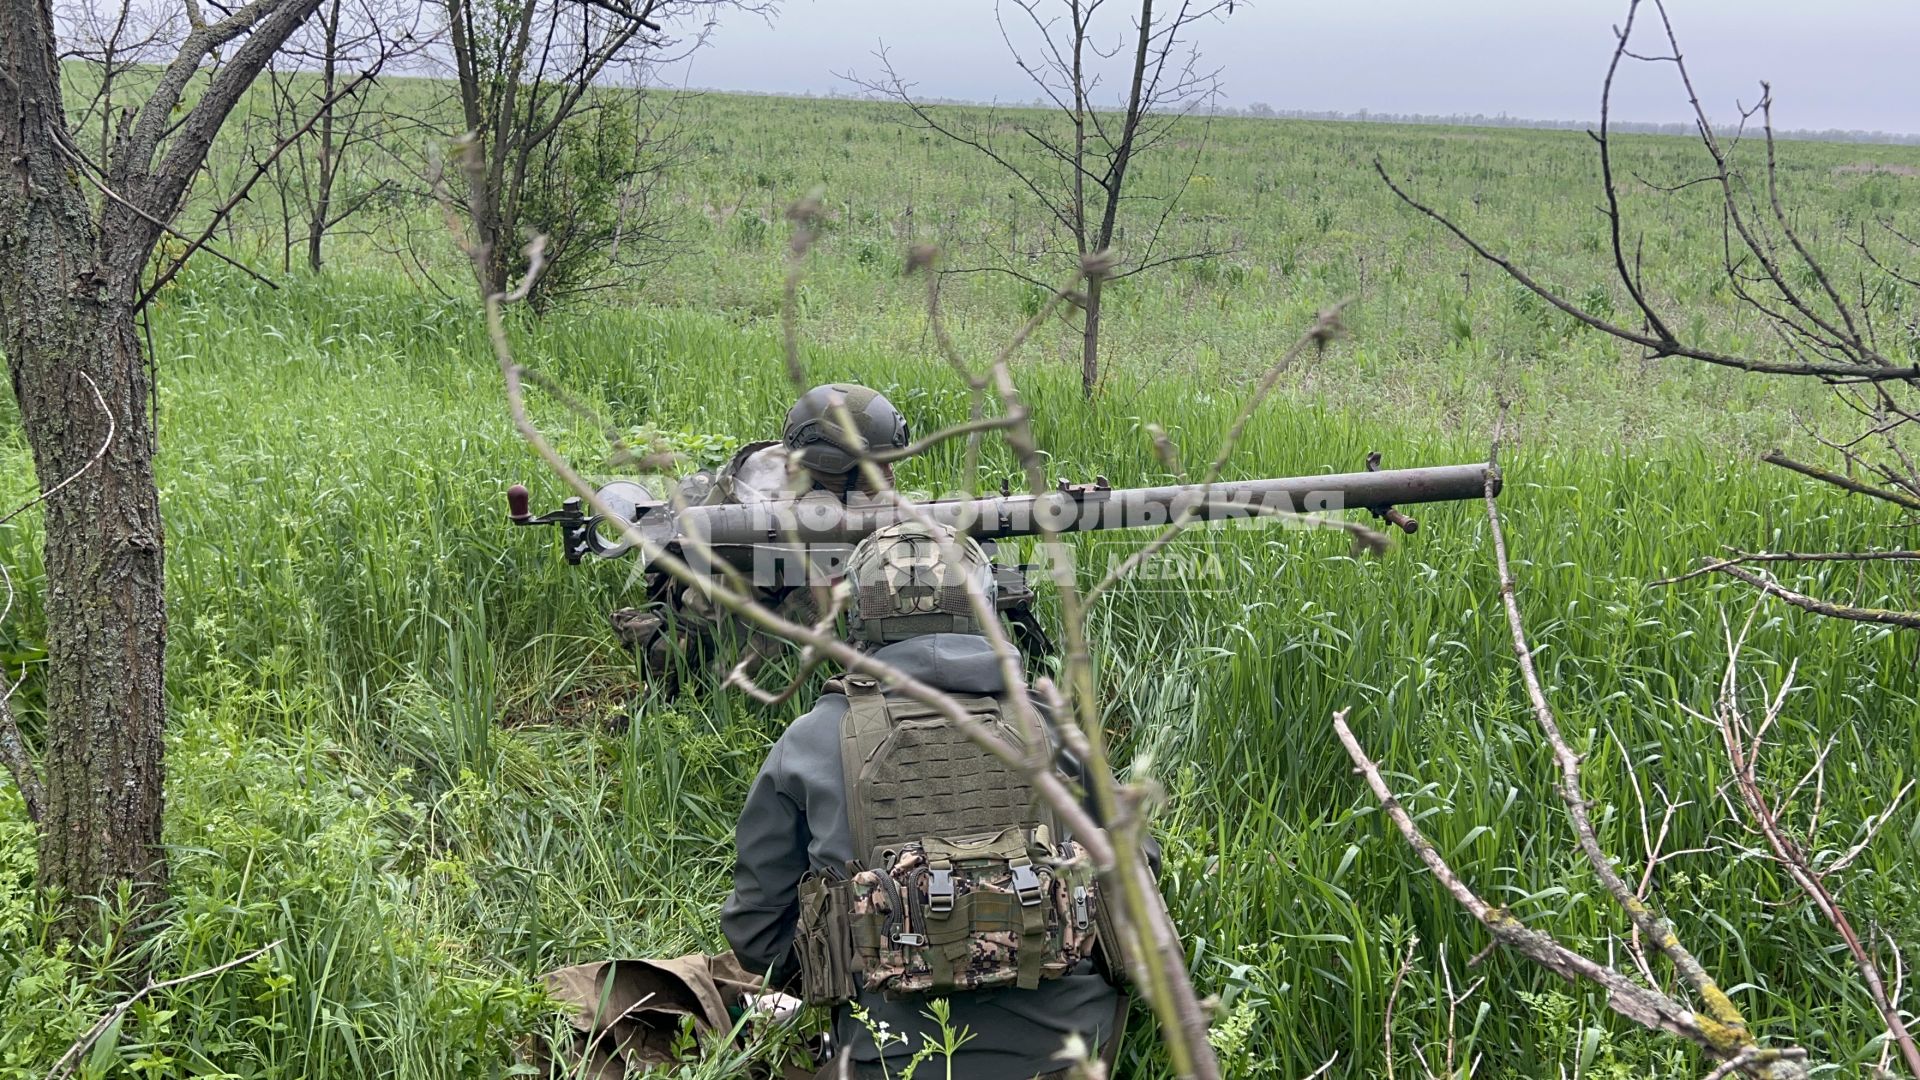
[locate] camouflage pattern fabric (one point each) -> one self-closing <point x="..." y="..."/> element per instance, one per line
<point x="905" y="943"/>
<point x="911" y="579"/>
<point x="793" y="846"/>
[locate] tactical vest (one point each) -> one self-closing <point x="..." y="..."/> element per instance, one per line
<point x="958" y="880"/>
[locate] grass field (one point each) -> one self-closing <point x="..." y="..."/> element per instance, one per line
<point x="405" y="742"/>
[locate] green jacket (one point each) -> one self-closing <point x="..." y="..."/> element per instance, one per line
<point x="795" y="819"/>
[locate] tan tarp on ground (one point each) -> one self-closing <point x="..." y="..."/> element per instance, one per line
<point x="626" y="1013"/>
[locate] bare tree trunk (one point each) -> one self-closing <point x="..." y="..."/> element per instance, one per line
<point x="482" y="198"/>
<point x="70" y="286"/>
<point x="1165" y="83"/>
<point x="65" y="321"/>
<point x="106" y="621"/>
<point x="317" y="224"/>
<point x="323" y="197"/>
<point x="1090" y="340"/>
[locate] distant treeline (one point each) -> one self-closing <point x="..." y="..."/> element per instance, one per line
<point x="1260" y="110"/>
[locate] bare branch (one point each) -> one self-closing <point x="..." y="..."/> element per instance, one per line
<point x="86" y="170"/>
<point x="1740" y="557"/>
<point x="1627" y="278"/>
<point x="1884" y="616"/>
<point x="1829" y="371"/>
<point x="1081" y="183"/>
<point x="804" y="214"/>
<point x="1169" y="260"/>
<point x="1642" y="1005"/>
<point x="240" y="194"/>
<point x="1874" y="824"/>
<point x="1734" y="1064"/>
<point x="1819" y="272"/>
<point x="1898" y="498"/>
<point x="162" y="189"/>
<point x="1322" y="1070"/>
<point x="1736" y="733"/>
<point x="921" y="446"/>
<point x="895" y="89"/>
<point x="105" y="443"/>
<point x="741" y="678"/>
<point x="64" y="1067"/>
<point x="1654" y="926"/>
<point x="135" y="155"/>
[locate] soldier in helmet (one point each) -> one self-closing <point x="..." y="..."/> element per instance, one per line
<point x="817" y="452"/>
<point x="888" y="860"/>
<point x="822" y="447"/>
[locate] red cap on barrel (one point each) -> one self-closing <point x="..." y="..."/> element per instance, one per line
<point x="517" y="502"/>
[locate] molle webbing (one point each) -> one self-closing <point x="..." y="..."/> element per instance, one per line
<point x="950" y="599"/>
<point x="912" y="776"/>
<point x="902" y="627"/>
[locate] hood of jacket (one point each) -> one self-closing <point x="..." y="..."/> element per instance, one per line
<point x="957" y="663"/>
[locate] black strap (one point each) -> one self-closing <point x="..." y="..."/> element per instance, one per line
<point x="1110" y="1054"/>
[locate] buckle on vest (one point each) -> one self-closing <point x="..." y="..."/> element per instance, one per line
<point x="1026" y="884"/>
<point x="912" y="940"/>
<point x="940" y="891"/>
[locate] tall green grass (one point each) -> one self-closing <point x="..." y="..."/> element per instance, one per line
<point x="405" y="741"/>
<point x="1438" y="335"/>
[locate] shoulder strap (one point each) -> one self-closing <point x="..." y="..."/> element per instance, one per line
<point x="862" y="730"/>
<point x="980" y="706"/>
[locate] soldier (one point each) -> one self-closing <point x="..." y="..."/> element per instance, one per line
<point x="891" y="860"/>
<point x="816" y="452"/>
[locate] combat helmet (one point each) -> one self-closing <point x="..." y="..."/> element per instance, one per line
<point x="816" y="436"/>
<point x="911" y="579"/>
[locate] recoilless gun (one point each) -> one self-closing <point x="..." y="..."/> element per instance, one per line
<point x="737" y="533"/>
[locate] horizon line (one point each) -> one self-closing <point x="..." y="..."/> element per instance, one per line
<point x="1686" y="128"/>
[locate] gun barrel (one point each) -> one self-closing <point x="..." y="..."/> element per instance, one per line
<point x="823" y="519"/>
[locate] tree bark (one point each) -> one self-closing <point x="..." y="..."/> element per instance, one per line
<point x="106" y="609"/>
<point x="481" y="195"/>
<point x="323" y="201"/>
<point x="67" y="311"/>
<point x="1090" y="340"/>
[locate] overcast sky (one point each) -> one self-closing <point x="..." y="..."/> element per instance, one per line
<point x="1833" y="63"/>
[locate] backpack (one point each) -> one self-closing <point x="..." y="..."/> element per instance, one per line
<point x="959" y="881"/>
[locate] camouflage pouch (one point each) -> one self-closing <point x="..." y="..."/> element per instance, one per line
<point x="967" y="914"/>
<point x="823" y="944"/>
